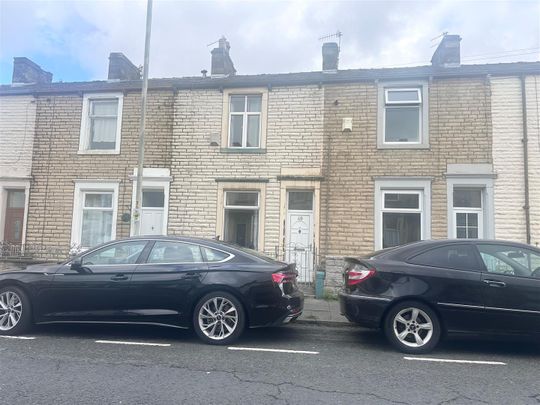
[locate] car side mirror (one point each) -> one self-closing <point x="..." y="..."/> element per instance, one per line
<point x="76" y="264"/>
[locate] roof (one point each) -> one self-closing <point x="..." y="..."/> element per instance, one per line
<point x="279" y="79"/>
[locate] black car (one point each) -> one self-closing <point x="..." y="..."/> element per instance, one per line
<point x="418" y="292"/>
<point x="216" y="288"/>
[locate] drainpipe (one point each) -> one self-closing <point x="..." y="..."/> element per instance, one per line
<point x="525" y="141"/>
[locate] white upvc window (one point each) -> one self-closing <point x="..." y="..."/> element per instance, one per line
<point x="94" y="214"/>
<point x="470" y="206"/>
<point x="468" y="213"/>
<point x="245" y="120"/>
<point x="402" y="212"/>
<point x="101" y="123"/>
<point x="403" y="113"/>
<point x="241" y="217"/>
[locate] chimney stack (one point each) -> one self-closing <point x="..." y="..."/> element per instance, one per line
<point x="27" y="72"/>
<point x="222" y="64"/>
<point x="121" y="68"/>
<point x="330" y="55"/>
<point x="447" y="53"/>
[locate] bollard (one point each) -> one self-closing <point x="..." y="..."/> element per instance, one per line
<point x="319" y="284"/>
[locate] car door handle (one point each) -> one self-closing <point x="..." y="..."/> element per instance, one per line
<point x="495" y="283"/>
<point x="119" y="277"/>
<point x="191" y="274"/>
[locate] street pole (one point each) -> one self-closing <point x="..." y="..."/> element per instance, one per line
<point x="138" y="195"/>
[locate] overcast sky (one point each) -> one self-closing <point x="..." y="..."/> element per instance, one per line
<point x="72" y="39"/>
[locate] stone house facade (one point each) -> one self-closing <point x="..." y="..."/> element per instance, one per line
<point x="17" y="127"/>
<point x="307" y="167"/>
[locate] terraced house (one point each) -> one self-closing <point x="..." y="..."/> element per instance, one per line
<point x="309" y="167"/>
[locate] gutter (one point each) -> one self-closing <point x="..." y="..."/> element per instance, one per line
<point x="525" y="141"/>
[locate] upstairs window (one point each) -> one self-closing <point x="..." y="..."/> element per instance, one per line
<point x="402" y="115"/>
<point x="245" y="121"/>
<point x="101" y="123"/>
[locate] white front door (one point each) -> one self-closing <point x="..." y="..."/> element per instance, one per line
<point x="299" y="235"/>
<point x="153" y="202"/>
<point x="152" y="221"/>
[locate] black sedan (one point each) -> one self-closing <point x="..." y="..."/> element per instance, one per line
<point x="418" y="292"/>
<point x="216" y="288"/>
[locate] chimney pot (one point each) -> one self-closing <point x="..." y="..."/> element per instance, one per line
<point x="330" y="54"/>
<point x="27" y="72"/>
<point x="447" y="53"/>
<point x="222" y="64"/>
<point x="121" y="68"/>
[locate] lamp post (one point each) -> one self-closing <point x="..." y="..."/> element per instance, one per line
<point x="140" y="161"/>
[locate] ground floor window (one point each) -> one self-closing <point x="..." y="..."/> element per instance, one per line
<point x="94" y="214"/>
<point x="241" y="218"/>
<point x="402" y="211"/>
<point x="468" y="213"/>
<point x="401" y="217"/>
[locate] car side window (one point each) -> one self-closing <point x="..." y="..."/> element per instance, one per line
<point x="175" y="252"/>
<point x="459" y="257"/>
<point x="118" y="253"/>
<point x="213" y="255"/>
<point x="510" y="260"/>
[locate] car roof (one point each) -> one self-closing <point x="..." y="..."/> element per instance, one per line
<point x="405" y="251"/>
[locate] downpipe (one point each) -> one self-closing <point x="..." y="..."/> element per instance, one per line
<point x="525" y="142"/>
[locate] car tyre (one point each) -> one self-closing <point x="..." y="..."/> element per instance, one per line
<point x="412" y="327"/>
<point x="15" y="311"/>
<point x="219" y="318"/>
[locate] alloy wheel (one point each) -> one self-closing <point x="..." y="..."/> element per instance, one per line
<point x="10" y="310"/>
<point x="413" y="327"/>
<point x="218" y="318"/>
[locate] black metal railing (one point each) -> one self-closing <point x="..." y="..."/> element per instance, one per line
<point x="31" y="251"/>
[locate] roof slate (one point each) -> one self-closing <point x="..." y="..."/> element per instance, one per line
<point x="279" y="79"/>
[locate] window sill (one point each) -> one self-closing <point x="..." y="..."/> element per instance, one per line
<point x="98" y="152"/>
<point x="403" y="146"/>
<point x="257" y="151"/>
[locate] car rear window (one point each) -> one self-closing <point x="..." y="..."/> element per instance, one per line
<point x="460" y="257"/>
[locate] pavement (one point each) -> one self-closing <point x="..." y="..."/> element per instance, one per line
<point x="322" y="312"/>
<point x="293" y="364"/>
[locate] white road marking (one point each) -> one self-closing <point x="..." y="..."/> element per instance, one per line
<point x="491" y="363"/>
<point x="17" y="337"/>
<point x="260" y="349"/>
<point x="118" y="342"/>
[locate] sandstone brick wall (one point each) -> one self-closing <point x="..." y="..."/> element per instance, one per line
<point x="56" y="164"/>
<point x="17" y="122"/>
<point x="459" y="132"/>
<point x="294" y="139"/>
<point x="508" y="157"/>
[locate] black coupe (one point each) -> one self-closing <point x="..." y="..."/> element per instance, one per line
<point x="214" y="287"/>
<point x="418" y="292"/>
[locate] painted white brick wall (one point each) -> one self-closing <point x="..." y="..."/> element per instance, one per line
<point x="17" y="126"/>
<point x="508" y="158"/>
<point x="294" y="139"/>
<point x="533" y="125"/>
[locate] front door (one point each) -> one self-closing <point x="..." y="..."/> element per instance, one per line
<point x="153" y="202"/>
<point x="13" y="228"/>
<point x="299" y="233"/>
<point x="511" y="287"/>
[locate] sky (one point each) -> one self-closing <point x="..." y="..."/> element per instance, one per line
<point x="73" y="39"/>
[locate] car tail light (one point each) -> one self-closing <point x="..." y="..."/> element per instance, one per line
<point x="358" y="274"/>
<point x="280" y="278"/>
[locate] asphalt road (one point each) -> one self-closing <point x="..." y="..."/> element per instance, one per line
<point x="67" y="365"/>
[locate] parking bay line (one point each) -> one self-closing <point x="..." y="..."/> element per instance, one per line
<point x="261" y="349"/>
<point x="119" y="342"/>
<point x="489" y="363"/>
<point x="17" y="337"/>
